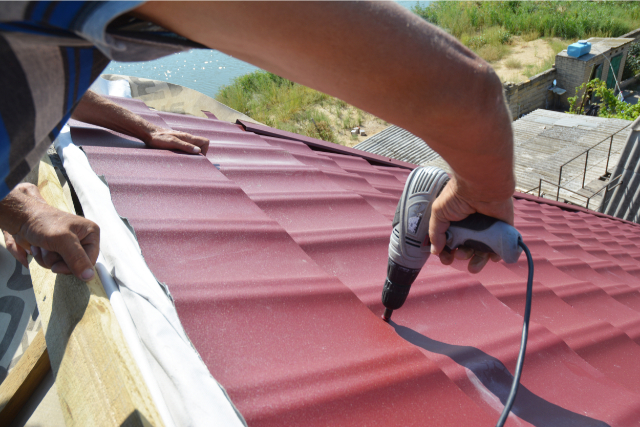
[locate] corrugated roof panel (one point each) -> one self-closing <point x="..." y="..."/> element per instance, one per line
<point x="399" y="144"/>
<point x="291" y="344"/>
<point x="277" y="260"/>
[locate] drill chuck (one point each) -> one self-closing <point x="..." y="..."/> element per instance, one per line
<point x="397" y="285"/>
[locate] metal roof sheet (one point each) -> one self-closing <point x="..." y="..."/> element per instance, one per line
<point x="623" y="201"/>
<point x="400" y="144"/>
<point x="276" y="255"/>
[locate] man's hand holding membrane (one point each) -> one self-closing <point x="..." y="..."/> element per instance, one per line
<point x="63" y="242"/>
<point x="67" y="243"/>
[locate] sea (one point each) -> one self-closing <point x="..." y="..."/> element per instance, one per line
<point x="201" y="69"/>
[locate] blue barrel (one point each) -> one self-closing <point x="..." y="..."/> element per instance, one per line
<point x="581" y="47"/>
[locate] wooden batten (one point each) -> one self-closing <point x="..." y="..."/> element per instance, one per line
<point x="23" y="379"/>
<point x="98" y="381"/>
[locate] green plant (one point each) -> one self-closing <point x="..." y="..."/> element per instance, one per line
<point x="513" y="63"/>
<point x="476" y="42"/>
<point x="632" y="65"/>
<point x="610" y="105"/>
<point x="491" y="53"/>
<point x="530" y="35"/>
<point x="562" y="19"/>
<point x="321" y="130"/>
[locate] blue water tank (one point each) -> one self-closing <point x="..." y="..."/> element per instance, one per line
<point x="581" y="47"/>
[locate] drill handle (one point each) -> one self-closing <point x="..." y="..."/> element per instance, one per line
<point x="484" y="233"/>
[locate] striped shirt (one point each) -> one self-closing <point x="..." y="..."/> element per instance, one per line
<point x="50" y="53"/>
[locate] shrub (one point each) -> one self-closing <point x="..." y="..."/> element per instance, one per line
<point x="476" y="42"/>
<point x="632" y="66"/>
<point x="530" y="35"/>
<point x="513" y="64"/>
<point x="491" y="53"/>
<point x="321" y="130"/>
<point x="610" y="105"/>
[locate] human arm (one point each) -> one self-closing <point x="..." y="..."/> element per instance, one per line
<point x="383" y="59"/>
<point x="65" y="243"/>
<point x="100" y="111"/>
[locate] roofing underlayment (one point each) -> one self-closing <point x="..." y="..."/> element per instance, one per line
<point x="276" y="255"/>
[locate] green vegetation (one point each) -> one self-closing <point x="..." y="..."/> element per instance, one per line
<point x="610" y="105"/>
<point x="557" y="46"/>
<point x="632" y="65"/>
<point x="277" y="102"/>
<point x="283" y="104"/>
<point x="564" y="19"/>
<point x="487" y="27"/>
<point x="513" y="64"/>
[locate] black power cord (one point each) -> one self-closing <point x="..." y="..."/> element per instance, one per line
<point x="523" y="343"/>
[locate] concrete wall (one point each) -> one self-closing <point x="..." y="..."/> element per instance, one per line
<point x="635" y="34"/>
<point x="528" y="96"/>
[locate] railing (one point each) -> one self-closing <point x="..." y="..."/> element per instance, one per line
<point x="584" y="173"/>
<point x="588" y="199"/>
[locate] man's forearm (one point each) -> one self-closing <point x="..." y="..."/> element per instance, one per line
<point x="99" y="111"/>
<point x="378" y="57"/>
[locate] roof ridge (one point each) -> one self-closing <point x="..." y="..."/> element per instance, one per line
<point x="321" y="145"/>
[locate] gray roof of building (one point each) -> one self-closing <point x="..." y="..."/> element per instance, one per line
<point x="399" y="144"/>
<point x="545" y="140"/>
<point x="624" y="200"/>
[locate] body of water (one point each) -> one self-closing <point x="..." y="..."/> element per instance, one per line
<point x="201" y="69"/>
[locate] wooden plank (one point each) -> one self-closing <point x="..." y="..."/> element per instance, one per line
<point x="98" y="382"/>
<point x="23" y="379"/>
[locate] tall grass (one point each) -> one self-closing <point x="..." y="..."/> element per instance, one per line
<point x="554" y="19"/>
<point x="283" y="104"/>
<point x="487" y="27"/>
<point x="268" y="98"/>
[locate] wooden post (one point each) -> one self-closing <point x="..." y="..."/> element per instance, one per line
<point x="98" y="382"/>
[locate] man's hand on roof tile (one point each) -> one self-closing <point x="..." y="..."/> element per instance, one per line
<point x="100" y="111"/>
<point x="455" y="204"/>
<point x="63" y="242"/>
<point x="167" y="139"/>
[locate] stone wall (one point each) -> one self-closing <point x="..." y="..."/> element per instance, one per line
<point x="528" y="96"/>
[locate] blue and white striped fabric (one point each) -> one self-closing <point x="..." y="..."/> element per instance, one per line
<point x="50" y="53"/>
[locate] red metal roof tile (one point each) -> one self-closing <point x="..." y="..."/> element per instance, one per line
<point x="276" y="261"/>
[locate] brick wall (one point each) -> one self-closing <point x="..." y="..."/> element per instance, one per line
<point x="528" y="96"/>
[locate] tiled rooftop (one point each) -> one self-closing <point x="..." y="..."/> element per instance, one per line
<point x="276" y="255"/>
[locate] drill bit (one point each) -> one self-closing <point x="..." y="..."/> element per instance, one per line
<point x="387" y="314"/>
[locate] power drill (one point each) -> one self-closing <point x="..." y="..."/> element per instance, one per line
<point x="409" y="247"/>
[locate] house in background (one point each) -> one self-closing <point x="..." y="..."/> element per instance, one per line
<point x="605" y="61"/>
